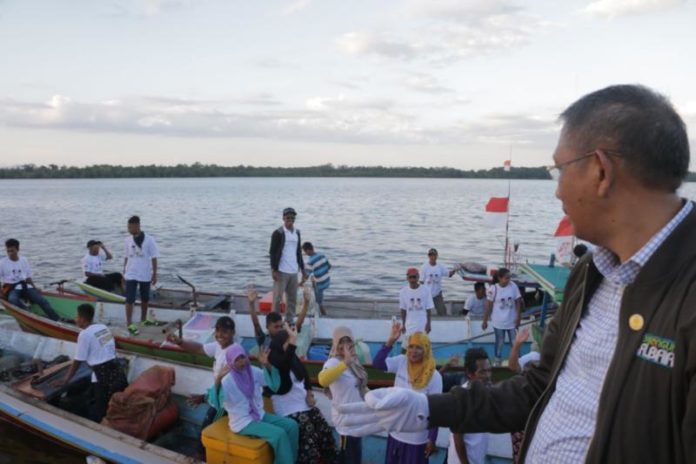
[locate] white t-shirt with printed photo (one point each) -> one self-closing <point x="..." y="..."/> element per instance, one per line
<point x="504" y="313"/>
<point x="432" y="276"/>
<point x="12" y="272"/>
<point x="399" y="365"/>
<point x="93" y="264"/>
<point x="139" y="265"/>
<point x="95" y="345"/>
<point x="415" y="302"/>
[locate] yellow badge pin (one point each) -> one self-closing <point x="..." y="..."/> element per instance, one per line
<point x="635" y="322"/>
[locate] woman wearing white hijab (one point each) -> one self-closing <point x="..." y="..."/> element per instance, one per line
<point x="346" y="382"/>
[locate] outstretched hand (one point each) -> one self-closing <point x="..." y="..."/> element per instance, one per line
<point x="263" y="356"/>
<point x="392" y="409"/>
<point x="522" y="335"/>
<point x="395" y="333"/>
<point x="292" y="333"/>
<point x="252" y="294"/>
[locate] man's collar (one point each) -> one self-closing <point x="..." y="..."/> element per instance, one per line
<point x="607" y="262"/>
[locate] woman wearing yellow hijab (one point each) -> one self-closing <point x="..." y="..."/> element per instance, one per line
<point x="414" y="370"/>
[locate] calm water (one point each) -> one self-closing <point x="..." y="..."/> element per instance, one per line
<point x="216" y="232"/>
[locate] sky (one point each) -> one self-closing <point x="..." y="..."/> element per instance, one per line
<point x="459" y="83"/>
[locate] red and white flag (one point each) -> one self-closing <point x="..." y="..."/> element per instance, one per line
<point x="496" y="212"/>
<point x="564" y="240"/>
<point x="506" y="165"/>
<point x="565" y="228"/>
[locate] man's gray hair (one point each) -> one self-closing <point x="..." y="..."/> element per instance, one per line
<point x="638" y="123"/>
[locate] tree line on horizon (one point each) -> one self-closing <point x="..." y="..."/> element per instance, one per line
<point x="102" y="171"/>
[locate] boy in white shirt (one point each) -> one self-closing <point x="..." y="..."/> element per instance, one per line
<point x="92" y="268"/>
<point x="431" y="276"/>
<point x="415" y="304"/>
<point x="96" y="347"/>
<point x="139" y="269"/>
<point x="15" y="275"/>
<point x="476" y="304"/>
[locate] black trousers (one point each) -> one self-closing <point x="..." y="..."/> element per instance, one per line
<point x="110" y="379"/>
<point x="106" y="282"/>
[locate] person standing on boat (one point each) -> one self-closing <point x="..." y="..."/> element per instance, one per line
<point x="92" y="268"/>
<point x="471" y="448"/>
<point x="345" y="381"/>
<point x="286" y="263"/>
<point x="616" y="381"/>
<point x="292" y="397"/>
<point x="431" y="276"/>
<point x="415" y="303"/>
<point x="139" y="269"/>
<point x="504" y="309"/>
<point x="242" y="384"/>
<point x="415" y="370"/>
<point x="317" y="267"/>
<point x="15" y="276"/>
<point x="96" y="347"/>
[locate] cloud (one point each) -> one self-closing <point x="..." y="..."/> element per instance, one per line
<point x="337" y="119"/>
<point x="425" y="83"/>
<point x="295" y="6"/>
<point x="506" y="128"/>
<point x="148" y="8"/>
<point x="617" y="8"/>
<point x="362" y="43"/>
<point x="448" y="31"/>
<point x="457" y="10"/>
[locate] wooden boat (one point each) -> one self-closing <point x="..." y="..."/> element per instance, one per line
<point x="165" y="297"/>
<point x="449" y="333"/>
<point x="31" y="408"/>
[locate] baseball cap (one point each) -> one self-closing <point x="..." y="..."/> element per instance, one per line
<point x="287" y="211"/>
<point x="411" y="271"/>
<point x="432" y="251"/>
<point x="92" y="243"/>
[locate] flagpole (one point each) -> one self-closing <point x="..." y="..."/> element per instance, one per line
<point x="506" y="257"/>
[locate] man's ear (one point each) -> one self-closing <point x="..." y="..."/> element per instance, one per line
<point x="606" y="173"/>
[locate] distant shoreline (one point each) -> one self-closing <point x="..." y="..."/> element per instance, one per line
<point x="197" y="170"/>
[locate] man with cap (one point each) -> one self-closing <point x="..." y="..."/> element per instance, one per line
<point x="431" y="276"/>
<point x="92" y="268"/>
<point x="415" y="303"/>
<point x="286" y="262"/>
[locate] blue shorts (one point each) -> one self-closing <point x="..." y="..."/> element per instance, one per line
<point x="131" y="286"/>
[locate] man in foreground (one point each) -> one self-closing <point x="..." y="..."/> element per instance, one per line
<point x="617" y="377"/>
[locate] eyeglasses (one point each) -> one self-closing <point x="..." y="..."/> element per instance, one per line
<point x="412" y="277"/>
<point x="556" y="169"/>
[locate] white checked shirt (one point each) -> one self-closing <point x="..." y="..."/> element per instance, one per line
<point x="568" y="422"/>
